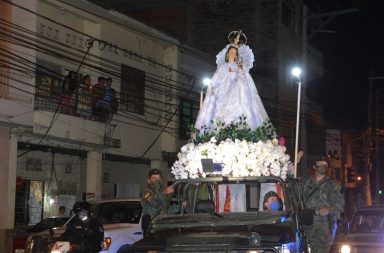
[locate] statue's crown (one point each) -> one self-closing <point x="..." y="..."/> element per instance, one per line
<point x="237" y="38"/>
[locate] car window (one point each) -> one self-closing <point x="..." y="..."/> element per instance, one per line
<point x="117" y="212"/>
<point x="235" y="197"/>
<point x="368" y="222"/>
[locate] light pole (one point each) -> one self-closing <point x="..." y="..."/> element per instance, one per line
<point x="206" y="82"/>
<point x="296" y="72"/>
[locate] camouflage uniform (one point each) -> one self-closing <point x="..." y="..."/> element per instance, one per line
<point x="321" y="233"/>
<point x="152" y="201"/>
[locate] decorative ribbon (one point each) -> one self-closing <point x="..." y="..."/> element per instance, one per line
<point x="227" y="203"/>
<point x="217" y="198"/>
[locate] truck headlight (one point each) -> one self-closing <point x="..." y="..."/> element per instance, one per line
<point x="254" y="239"/>
<point x="107" y="242"/>
<point x="345" y="248"/>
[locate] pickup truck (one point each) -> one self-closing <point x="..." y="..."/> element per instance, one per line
<point x="121" y="219"/>
<point x="222" y="214"/>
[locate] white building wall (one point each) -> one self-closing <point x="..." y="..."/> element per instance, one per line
<point x="16" y="105"/>
<point x="135" y="135"/>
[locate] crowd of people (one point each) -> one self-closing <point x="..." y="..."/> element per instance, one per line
<point x="79" y="97"/>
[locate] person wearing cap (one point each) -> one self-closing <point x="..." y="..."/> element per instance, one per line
<point x="272" y="202"/>
<point x="153" y="197"/>
<point x="323" y="197"/>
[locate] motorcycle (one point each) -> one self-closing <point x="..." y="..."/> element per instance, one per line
<point x="77" y="236"/>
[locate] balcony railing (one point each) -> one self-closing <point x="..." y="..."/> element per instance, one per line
<point x="74" y="105"/>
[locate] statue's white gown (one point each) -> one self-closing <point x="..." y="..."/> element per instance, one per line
<point x="232" y="93"/>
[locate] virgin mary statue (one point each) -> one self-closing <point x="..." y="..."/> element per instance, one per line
<point x="232" y="92"/>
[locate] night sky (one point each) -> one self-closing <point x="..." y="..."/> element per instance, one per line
<point x="350" y="55"/>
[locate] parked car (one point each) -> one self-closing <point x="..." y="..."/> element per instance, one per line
<point x="21" y="234"/>
<point x="121" y="219"/>
<point x="201" y="223"/>
<point x="366" y="233"/>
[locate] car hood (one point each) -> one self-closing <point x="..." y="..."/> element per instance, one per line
<point x="231" y="231"/>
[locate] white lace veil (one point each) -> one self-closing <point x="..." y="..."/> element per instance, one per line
<point x="244" y="52"/>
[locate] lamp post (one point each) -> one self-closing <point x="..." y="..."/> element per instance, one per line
<point x="206" y="82"/>
<point x="296" y="72"/>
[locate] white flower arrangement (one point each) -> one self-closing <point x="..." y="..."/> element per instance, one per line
<point x="236" y="158"/>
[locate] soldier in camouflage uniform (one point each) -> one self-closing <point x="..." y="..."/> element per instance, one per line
<point x="153" y="198"/>
<point x="323" y="197"/>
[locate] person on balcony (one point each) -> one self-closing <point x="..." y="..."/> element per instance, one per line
<point x="104" y="105"/>
<point x="84" y="106"/>
<point x="96" y="94"/>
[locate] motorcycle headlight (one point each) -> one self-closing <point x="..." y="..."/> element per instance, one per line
<point x="83" y="215"/>
<point x="345" y="248"/>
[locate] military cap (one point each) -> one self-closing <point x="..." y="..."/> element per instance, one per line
<point x="154" y="172"/>
<point x="320" y="163"/>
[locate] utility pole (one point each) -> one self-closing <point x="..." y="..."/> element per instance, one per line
<point x="368" y="148"/>
<point x="377" y="145"/>
<point x="379" y="99"/>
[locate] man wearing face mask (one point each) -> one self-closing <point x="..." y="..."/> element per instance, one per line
<point x="272" y="202"/>
<point x="153" y="198"/>
<point x="323" y="197"/>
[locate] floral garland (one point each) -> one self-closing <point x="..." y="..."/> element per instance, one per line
<point x="242" y="153"/>
<point x="235" y="130"/>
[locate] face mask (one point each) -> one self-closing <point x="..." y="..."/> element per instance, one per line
<point x="275" y="205"/>
<point x="321" y="170"/>
<point x="156" y="185"/>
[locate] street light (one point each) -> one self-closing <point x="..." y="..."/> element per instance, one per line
<point x="206" y="82"/>
<point x="296" y="72"/>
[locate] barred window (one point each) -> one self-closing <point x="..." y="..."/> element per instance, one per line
<point x="132" y="90"/>
<point x="185" y="117"/>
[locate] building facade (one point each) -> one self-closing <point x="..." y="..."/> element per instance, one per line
<point x="59" y="144"/>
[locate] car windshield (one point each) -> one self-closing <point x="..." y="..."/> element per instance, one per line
<point x="368" y="222"/>
<point x="117" y="212"/>
<point x="207" y="196"/>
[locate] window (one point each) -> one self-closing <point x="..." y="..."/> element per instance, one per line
<point x="117" y="212"/>
<point x="132" y="90"/>
<point x="185" y="118"/>
<point x="48" y="85"/>
<point x="289" y="13"/>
